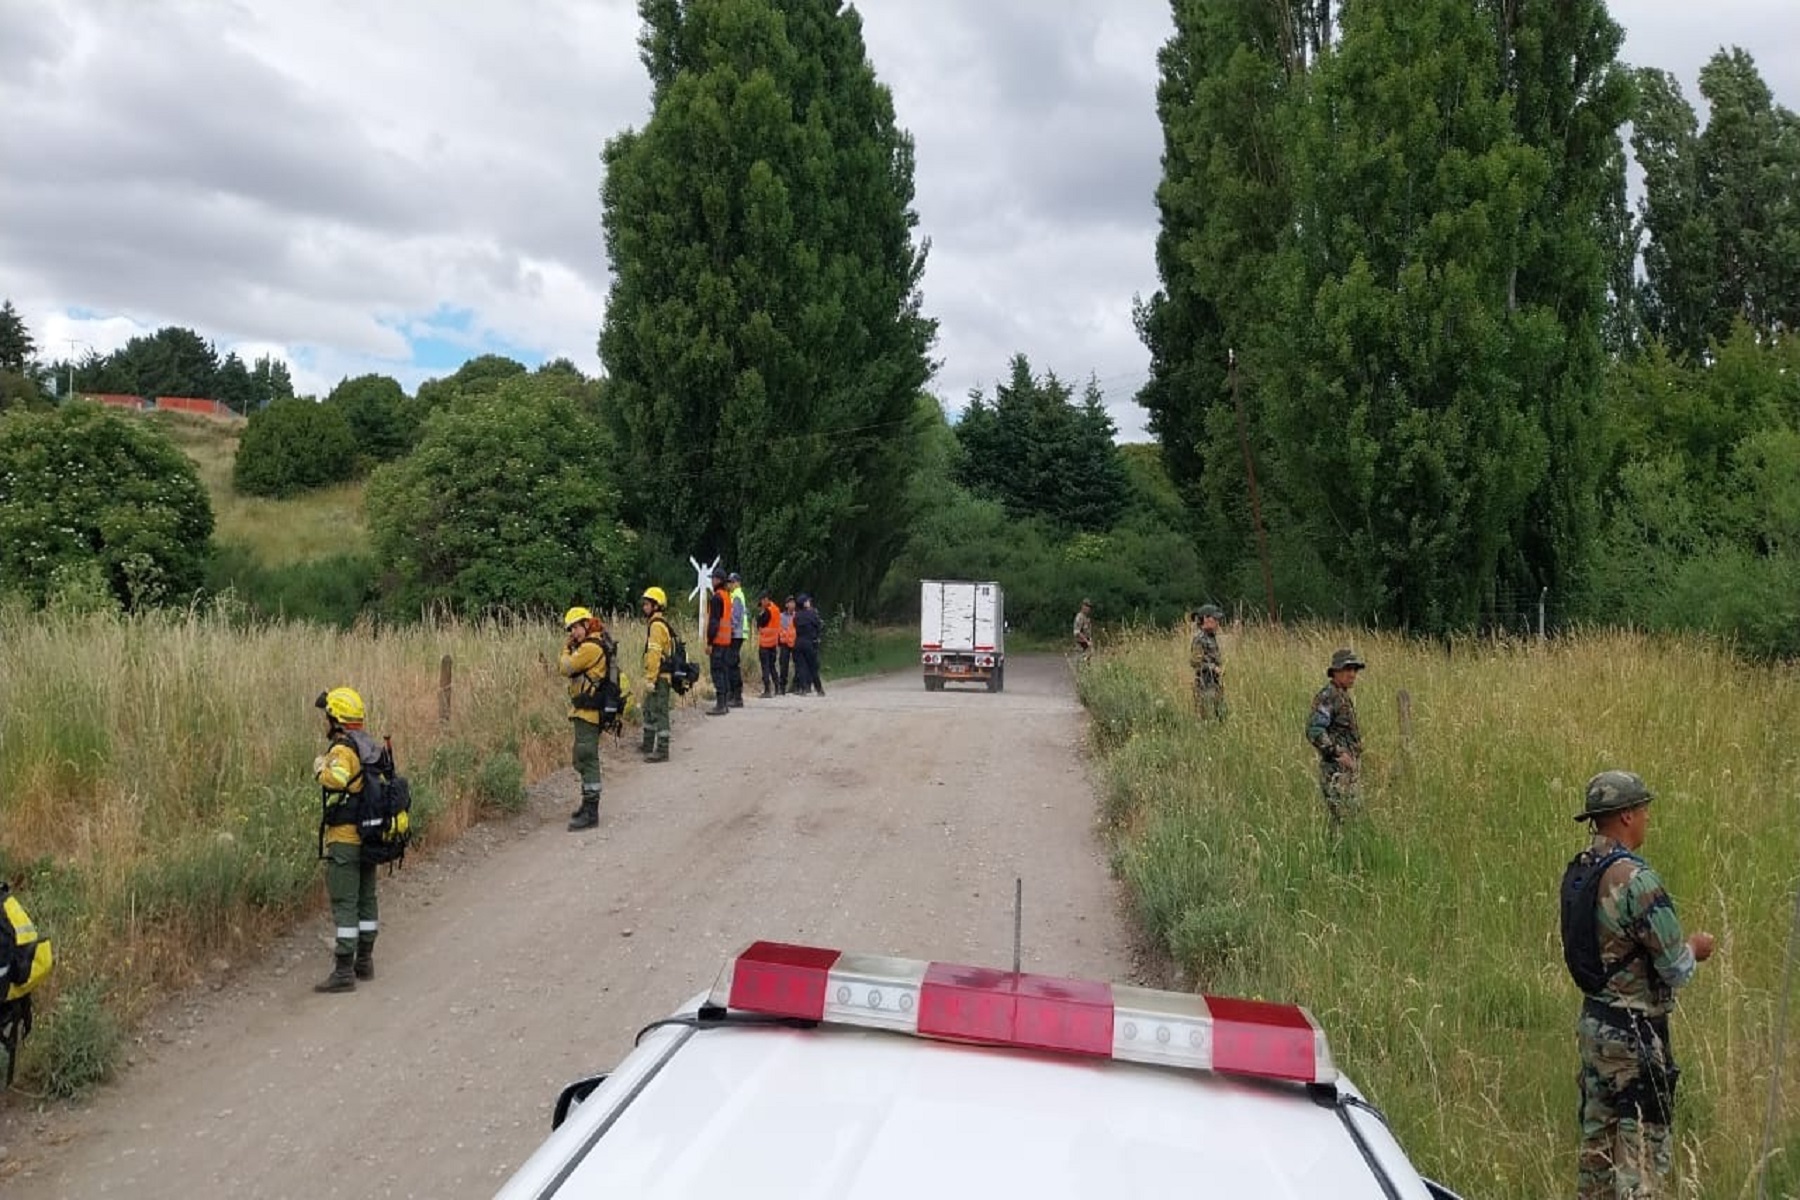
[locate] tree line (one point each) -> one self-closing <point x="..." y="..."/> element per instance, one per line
<point x="1402" y="282"/>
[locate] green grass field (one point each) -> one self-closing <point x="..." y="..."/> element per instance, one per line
<point x="275" y="533"/>
<point x="1426" y="943"/>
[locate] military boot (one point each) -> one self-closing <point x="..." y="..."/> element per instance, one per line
<point x="719" y="708"/>
<point x="659" y="752"/>
<point x="365" y="960"/>
<point x="649" y="740"/>
<point x="342" y="977"/>
<point x="587" y="816"/>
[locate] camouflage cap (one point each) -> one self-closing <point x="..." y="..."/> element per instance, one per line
<point x="1211" y="610"/>
<point x="1345" y="660"/>
<point x="1614" y="791"/>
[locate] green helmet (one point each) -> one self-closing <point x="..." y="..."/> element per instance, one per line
<point x="1613" y="791"/>
<point x="1213" y="611"/>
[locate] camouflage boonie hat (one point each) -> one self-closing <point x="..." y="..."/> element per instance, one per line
<point x="1614" y="791"/>
<point x="1343" y="659"/>
<point x="1211" y="610"/>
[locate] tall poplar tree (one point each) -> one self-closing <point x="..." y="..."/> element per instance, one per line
<point x="763" y="337"/>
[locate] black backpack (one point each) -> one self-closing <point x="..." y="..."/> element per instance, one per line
<point x="384" y="807"/>
<point x="603" y="695"/>
<point x="1581" y="922"/>
<point x="683" y="675"/>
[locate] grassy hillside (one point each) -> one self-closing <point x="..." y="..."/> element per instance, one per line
<point x="274" y="533"/>
<point x="1426" y="942"/>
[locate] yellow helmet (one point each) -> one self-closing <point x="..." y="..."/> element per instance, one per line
<point x="575" y="614"/>
<point x="657" y="596"/>
<point x="342" y="705"/>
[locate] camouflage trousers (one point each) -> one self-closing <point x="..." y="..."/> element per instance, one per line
<point x="1209" y="695"/>
<point x="1624" y="1151"/>
<point x="1341" y="787"/>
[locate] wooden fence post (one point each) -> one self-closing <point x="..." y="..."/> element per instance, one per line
<point x="444" y="682"/>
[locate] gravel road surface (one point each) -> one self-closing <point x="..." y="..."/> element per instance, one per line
<point x="879" y="817"/>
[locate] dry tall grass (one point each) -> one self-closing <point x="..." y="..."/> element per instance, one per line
<point x="1426" y="942"/>
<point x="154" y="790"/>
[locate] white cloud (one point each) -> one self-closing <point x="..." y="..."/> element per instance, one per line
<point x="323" y="177"/>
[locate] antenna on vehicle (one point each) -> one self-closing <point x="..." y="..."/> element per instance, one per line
<point x="1018" y="918"/>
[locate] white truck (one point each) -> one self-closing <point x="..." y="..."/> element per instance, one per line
<point x="962" y="633"/>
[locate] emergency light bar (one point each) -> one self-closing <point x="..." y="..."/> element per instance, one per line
<point x="1038" y="1012"/>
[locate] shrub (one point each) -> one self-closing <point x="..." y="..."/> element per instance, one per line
<point x="508" y="502"/>
<point x="92" y="501"/>
<point x="501" y="782"/>
<point x="293" y="446"/>
<point x="81" y="1040"/>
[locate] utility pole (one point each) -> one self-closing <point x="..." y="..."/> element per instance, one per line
<point x="1262" y="540"/>
<point x="69" y="396"/>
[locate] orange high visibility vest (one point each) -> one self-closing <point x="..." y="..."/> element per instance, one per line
<point x="722" y="635"/>
<point x="768" y="635"/>
<point x="787" y="628"/>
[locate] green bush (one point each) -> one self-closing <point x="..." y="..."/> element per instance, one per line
<point x="378" y="415"/>
<point x="507" y="503"/>
<point x="294" y="446"/>
<point x="95" y="503"/>
<point x="80" y="1040"/>
<point x="501" y="782"/>
<point x="330" y="591"/>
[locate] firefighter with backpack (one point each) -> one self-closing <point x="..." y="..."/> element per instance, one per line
<point x="349" y="878"/>
<point x="659" y="661"/>
<point x="587" y="662"/>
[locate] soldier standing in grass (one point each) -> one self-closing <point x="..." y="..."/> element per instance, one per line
<point x="1624" y="947"/>
<point x="1333" y="732"/>
<point x="349" y="881"/>
<point x="1208" y="664"/>
<point x="1084" y="629"/>
<point x="659" y="652"/>
<point x="583" y="660"/>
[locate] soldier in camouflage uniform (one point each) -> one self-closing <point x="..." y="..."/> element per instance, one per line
<point x="1627" y="1076"/>
<point x="1333" y="732"/>
<point x="1208" y="664"/>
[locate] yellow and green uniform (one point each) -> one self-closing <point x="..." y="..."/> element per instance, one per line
<point x="659" y="650"/>
<point x="585" y="666"/>
<point x="349" y="882"/>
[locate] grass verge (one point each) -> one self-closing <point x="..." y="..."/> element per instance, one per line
<point x="1426" y="941"/>
<point x="155" y="806"/>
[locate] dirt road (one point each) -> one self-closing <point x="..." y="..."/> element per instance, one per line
<point x="879" y="817"/>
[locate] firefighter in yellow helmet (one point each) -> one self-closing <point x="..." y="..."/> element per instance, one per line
<point x="349" y="881"/>
<point x="659" y="654"/>
<point x="583" y="660"/>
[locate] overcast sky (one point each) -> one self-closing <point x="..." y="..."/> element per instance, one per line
<point x="397" y="185"/>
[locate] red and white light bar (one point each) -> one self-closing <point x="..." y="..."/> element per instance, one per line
<point x="1038" y="1012"/>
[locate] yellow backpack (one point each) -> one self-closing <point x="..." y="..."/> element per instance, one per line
<point x="25" y="957"/>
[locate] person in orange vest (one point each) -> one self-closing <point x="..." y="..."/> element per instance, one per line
<point x="786" y="641"/>
<point x="768" y="637"/>
<point x="718" y="640"/>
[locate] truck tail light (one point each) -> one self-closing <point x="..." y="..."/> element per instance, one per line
<point x="1026" y="1011"/>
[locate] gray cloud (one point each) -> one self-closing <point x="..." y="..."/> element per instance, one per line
<point x="322" y="176"/>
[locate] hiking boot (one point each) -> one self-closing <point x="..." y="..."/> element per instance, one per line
<point x="717" y="710"/>
<point x="737" y="702"/>
<point x="364" y="966"/>
<point x="586" y="817"/>
<point x="342" y="977"/>
<point x="649" y="741"/>
<point x="659" y="753"/>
